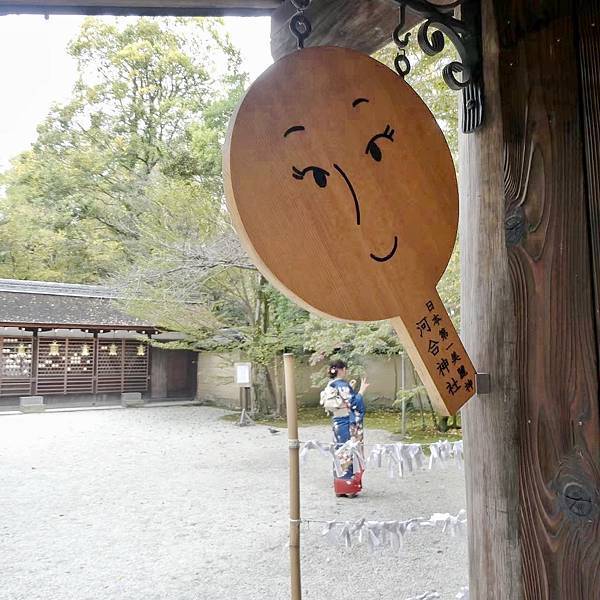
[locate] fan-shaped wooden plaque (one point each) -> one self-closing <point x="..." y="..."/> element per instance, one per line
<point x="342" y="188"/>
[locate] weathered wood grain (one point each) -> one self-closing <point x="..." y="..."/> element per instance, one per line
<point x="551" y="272"/>
<point x="364" y="25"/>
<point x="547" y="81"/>
<point x="490" y="422"/>
<point x="140" y="7"/>
<point x="589" y="51"/>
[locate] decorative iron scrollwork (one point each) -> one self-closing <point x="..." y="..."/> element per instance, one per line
<point x="464" y="33"/>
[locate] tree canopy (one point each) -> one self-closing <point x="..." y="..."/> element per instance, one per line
<point x="147" y="112"/>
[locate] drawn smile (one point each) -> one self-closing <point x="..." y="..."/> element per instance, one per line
<point x="389" y="254"/>
<point x="357" y="211"/>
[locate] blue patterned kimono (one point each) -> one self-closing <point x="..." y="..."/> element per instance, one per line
<point x="347" y="423"/>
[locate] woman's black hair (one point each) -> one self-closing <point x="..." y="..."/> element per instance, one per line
<point x="334" y="367"/>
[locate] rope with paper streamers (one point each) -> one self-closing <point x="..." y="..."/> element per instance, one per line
<point x="463" y="594"/>
<point x="398" y="457"/>
<point x="381" y="534"/>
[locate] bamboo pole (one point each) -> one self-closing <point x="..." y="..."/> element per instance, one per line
<point x="294" y="446"/>
<point x="403" y="399"/>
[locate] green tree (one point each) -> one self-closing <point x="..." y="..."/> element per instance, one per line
<point x="124" y="183"/>
<point x="148" y="106"/>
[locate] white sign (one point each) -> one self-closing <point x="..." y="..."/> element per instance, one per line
<point x="243" y="373"/>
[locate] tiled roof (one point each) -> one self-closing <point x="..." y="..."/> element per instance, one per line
<point x="61" y="304"/>
<point x="56" y="289"/>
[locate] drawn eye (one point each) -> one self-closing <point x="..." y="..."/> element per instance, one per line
<point x="319" y="175"/>
<point x="373" y="149"/>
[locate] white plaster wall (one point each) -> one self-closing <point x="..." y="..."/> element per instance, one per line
<point x="216" y="379"/>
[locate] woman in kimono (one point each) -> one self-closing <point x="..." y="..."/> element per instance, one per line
<point x="347" y="424"/>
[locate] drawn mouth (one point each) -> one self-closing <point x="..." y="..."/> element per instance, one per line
<point x="389" y="254"/>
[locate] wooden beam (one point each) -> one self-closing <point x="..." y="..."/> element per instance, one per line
<point x="364" y="25"/>
<point x="533" y="444"/>
<point x="141" y="7"/>
<point x="82" y="326"/>
<point x="490" y="422"/>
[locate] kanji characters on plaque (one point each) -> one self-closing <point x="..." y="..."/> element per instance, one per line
<point x="449" y="364"/>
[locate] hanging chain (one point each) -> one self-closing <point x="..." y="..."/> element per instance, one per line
<point x="401" y="61"/>
<point x="300" y="25"/>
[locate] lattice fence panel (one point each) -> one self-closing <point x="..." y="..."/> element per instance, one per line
<point x="110" y="366"/>
<point x="52" y="366"/>
<point x="66" y="366"/>
<point x="80" y="367"/>
<point x="135" y="367"/>
<point x="15" y="366"/>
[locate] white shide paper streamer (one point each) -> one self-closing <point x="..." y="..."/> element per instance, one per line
<point x="426" y="596"/>
<point x="462" y="595"/>
<point x="398" y="458"/>
<point x="349" y="450"/>
<point x="444" y="451"/>
<point x="380" y="534"/>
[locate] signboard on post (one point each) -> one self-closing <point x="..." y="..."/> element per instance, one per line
<point x="334" y="166"/>
<point x="243" y="374"/>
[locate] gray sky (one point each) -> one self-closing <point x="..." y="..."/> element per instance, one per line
<point x="36" y="70"/>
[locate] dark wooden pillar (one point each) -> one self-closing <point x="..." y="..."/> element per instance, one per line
<point x="95" y="355"/>
<point x="35" y="342"/>
<point x="589" y="56"/>
<point x="529" y="233"/>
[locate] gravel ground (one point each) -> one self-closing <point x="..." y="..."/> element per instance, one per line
<point x="175" y="504"/>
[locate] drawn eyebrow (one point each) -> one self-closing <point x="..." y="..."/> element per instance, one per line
<point x="292" y="129"/>
<point x="358" y="101"/>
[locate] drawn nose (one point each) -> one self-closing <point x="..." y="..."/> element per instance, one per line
<point x="351" y="188"/>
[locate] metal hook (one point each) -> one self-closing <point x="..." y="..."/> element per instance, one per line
<point x="401" y="42"/>
<point x="402" y="64"/>
<point x="299" y="25"/>
<point x="301" y="28"/>
<point x="401" y="61"/>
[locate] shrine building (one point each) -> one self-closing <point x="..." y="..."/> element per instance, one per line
<point x="73" y="343"/>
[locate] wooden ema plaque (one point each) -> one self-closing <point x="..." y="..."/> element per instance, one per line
<point x="342" y="188"/>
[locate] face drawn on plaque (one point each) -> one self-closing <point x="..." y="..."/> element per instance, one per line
<point x="342" y="187"/>
<point x="340" y="171"/>
<point x="321" y="176"/>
